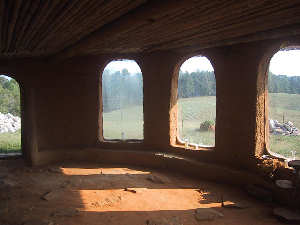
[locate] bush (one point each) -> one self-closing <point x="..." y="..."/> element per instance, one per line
<point x="207" y="125"/>
<point x="9" y="96"/>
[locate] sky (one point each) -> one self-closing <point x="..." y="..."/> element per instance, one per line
<point x="5" y="77"/>
<point x="119" y="65"/>
<point x="286" y="63"/>
<point x="190" y="65"/>
<point x="283" y="62"/>
<point x="196" y="63"/>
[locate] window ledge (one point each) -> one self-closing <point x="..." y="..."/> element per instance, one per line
<point x="193" y="146"/>
<point x="119" y="141"/>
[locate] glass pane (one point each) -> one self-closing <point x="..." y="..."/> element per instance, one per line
<point x="284" y="103"/>
<point x="122" y="98"/>
<point x="10" y="116"/>
<point x="197" y="102"/>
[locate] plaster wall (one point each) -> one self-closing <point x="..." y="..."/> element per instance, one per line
<point x="62" y="105"/>
<point x="61" y="113"/>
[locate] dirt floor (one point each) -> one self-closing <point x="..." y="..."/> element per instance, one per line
<point x="87" y="194"/>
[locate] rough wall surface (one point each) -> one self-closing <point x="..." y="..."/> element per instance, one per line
<point x="68" y="28"/>
<point x="61" y="108"/>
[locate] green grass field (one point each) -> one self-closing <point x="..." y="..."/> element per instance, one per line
<point x="10" y="142"/>
<point x="191" y="112"/>
<point x="129" y="120"/>
<point x="285" y="107"/>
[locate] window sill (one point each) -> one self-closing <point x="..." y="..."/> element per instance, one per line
<point x="192" y="146"/>
<point x="119" y="141"/>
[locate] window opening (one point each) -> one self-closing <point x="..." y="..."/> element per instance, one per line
<point x="284" y="103"/>
<point x="122" y="101"/>
<point x="10" y="117"/>
<point x="196" y="103"/>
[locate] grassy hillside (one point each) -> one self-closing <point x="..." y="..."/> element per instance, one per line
<point x="285" y="107"/>
<point x="191" y="111"/>
<point x="10" y="142"/>
<point x="129" y="120"/>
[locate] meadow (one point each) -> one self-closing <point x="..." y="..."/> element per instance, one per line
<point x="129" y="120"/>
<point x="10" y="142"/>
<point x="285" y="107"/>
<point x="191" y="112"/>
<point x="282" y="107"/>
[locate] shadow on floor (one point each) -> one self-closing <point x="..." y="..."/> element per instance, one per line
<point x="86" y="194"/>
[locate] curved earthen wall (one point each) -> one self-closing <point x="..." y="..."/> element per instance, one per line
<point x="62" y="111"/>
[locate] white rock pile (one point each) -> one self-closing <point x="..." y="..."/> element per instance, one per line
<point x="9" y="123"/>
<point x="286" y="128"/>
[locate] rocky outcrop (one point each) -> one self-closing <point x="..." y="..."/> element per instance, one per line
<point x="286" y="128"/>
<point x="9" y="123"/>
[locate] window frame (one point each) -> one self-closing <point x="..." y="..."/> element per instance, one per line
<point x="282" y="46"/>
<point x="100" y="105"/>
<point x="22" y="152"/>
<point x="175" y="140"/>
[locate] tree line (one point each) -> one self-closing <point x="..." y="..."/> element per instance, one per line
<point x="121" y="89"/>
<point x="202" y="83"/>
<point x="9" y="96"/>
<point x="199" y="83"/>
<point x="283" y="84"/>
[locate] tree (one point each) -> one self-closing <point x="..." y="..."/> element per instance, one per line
<point x="9" y="96"/>
<point x="121" y="89"/>
<point x="199" y="83"/>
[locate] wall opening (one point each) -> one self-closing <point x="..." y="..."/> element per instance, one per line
<point x="122" y="101"/>
<point x="196" y="103"/>
<point x="284" y="103"/>
<point x="10" y="116"/>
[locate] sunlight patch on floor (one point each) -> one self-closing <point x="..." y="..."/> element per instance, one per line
<point x="135" y="199"/>
<point x="95" y="171"/>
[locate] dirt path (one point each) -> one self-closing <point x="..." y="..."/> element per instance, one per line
<point x="91" y="194"/>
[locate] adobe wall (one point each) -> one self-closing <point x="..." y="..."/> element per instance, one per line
<point x="61" y="107"/>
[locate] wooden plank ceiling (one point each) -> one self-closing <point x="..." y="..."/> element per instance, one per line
<point x="66" y="28"/>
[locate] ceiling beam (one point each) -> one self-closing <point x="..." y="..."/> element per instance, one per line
<point x="287" y="32"/>
<point x="145" y="14"/>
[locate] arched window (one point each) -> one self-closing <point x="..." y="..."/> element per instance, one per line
<point x="284" y="103"/>
<point x="10" y="116"/>
<point x="196" y="110"/>
<point x="122" y="101"/>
